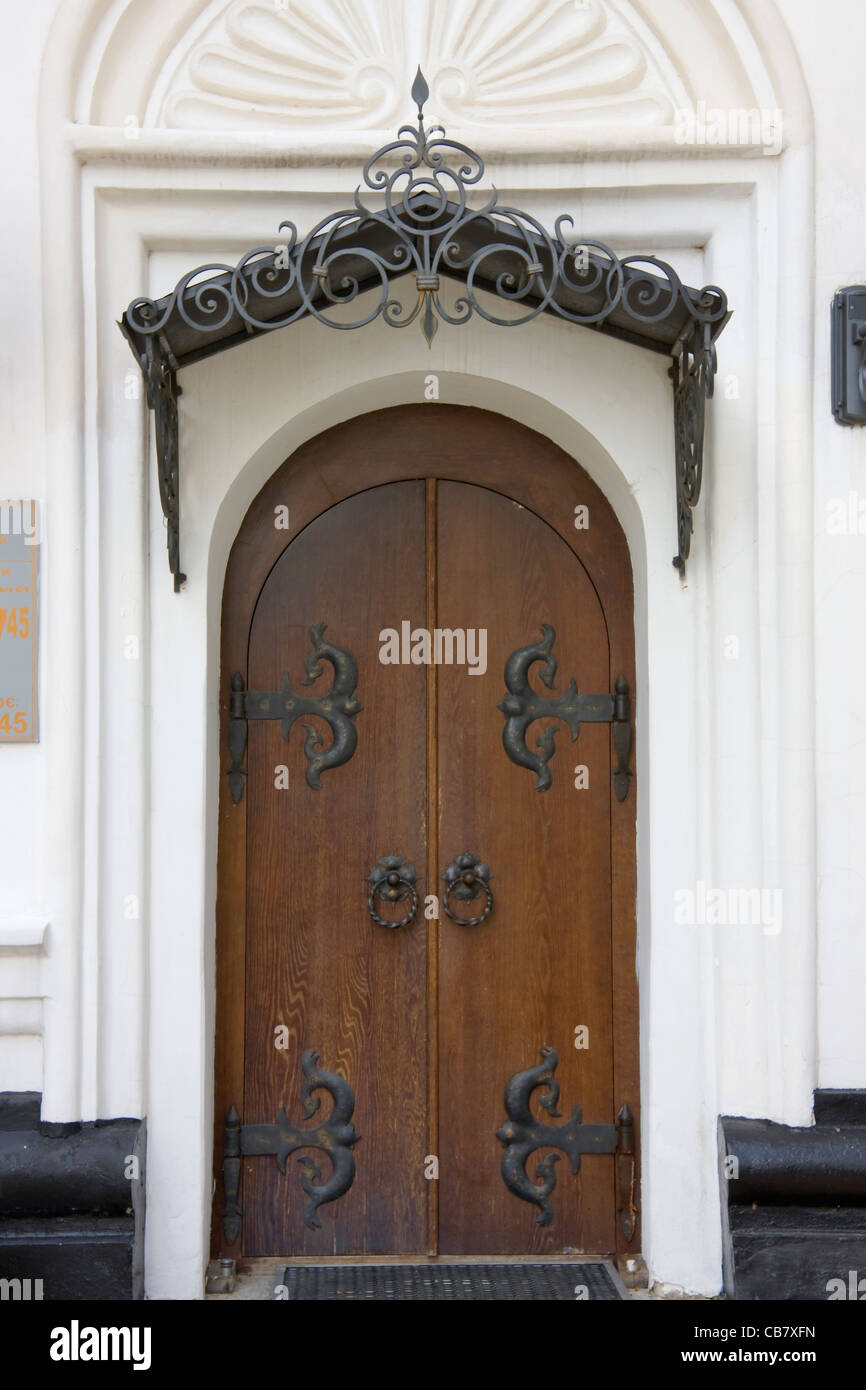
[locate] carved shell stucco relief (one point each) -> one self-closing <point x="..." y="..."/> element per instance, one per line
<point x="265" y="64"/>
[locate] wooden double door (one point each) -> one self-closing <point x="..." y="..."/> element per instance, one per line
<point x="378" y="586"/>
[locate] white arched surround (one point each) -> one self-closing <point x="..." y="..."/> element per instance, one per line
<point x="725" y="763"/>
<point x="250" y="403"/>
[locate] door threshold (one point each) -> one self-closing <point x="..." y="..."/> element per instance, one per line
<point x="261" y="1264"/>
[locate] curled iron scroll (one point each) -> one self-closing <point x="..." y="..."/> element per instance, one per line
<point x="335" y="1136"/>
<point x="522" y="1134"/>
<point x="522" y="706"/>
<point x="337" y="706"/>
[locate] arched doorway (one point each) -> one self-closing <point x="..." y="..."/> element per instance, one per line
<point x="438" y="545"/>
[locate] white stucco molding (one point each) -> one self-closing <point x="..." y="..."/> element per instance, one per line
<point x="24" y="942"/>
<point x="22" y="934"/>
<point x="534" y="78"/>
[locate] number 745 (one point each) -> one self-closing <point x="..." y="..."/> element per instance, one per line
<point x="15" y="621"/>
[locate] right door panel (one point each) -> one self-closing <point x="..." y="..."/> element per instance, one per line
<point x="540" y="967"/>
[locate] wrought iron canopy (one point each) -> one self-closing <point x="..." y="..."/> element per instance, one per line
<point x="511" y="267"/>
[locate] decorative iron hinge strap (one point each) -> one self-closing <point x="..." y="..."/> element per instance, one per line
<point x="338" y="707"/>
<point x="522" y="1134"/>
<point x="522" y="706"/>
<point x="336" y="1137"/>
<point x="692" y="373"/>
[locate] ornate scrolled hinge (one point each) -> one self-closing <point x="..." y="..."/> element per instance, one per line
<point x="338" y="707"/>
<point x="522" y="1134"/>
<point x="336" y="1137"/>
<point x="522" y="706"/>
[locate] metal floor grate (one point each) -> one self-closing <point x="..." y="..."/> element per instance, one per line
<point x="561" y="1282"/>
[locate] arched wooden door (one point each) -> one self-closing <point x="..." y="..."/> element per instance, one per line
<point x="483" y="535"/>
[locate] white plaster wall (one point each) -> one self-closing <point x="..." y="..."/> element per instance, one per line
<point x="26" y="770"/>
<point x="840" y="560"/>
<point x="120" y="795"/>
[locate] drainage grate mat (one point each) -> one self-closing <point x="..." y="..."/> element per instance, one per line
<point x="563" y="1282"/>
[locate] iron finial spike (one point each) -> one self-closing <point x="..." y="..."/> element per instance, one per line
<point x="420" y="91"/>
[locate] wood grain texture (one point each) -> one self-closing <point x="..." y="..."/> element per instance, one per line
<point x="432" y="882"/>
<point x="515" y="466"/>
<point x="540" y="965"/>
<point x="315" y="960"/>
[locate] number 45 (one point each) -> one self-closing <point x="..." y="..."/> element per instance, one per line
<point x="18" y="724"/>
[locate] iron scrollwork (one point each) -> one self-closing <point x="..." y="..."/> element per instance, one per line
<point x="426" y="226"/>
<point x="335" y="1136"/>
<point x="693" y="375"/>
<point x="426" y="216"/>
<point x="161" y="389"/>
<point x="522" y="706"/>
<point x="338" y="707"/>
<point x="467" y="878"/>
<point x="522" y="1134"/>
<point x="393" y="881"/>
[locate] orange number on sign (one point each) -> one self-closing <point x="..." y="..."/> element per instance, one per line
<point x="16" y="621"/>
<point x="20" y="722"/>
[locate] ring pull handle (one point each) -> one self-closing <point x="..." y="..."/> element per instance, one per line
<point x="393" y="881"/>
<point x="467" y="878"/>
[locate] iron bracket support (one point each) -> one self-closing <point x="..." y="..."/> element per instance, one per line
<point x="693" y="374"/>
<point x="159" y="371"/>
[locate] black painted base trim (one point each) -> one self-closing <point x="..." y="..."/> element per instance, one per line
<point x="797" y="1253"/>
<point x="794" y="1203"/>
<point x="840" y="1107"/>
<point x="71" y="1205"/>
<point x="69" y="1257"/>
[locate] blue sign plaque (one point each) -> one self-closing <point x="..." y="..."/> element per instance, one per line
<point x="19" y="587"/>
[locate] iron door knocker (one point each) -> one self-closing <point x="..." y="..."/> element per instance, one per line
<point x="467" y="878"/>
<point x="393" y="880"/>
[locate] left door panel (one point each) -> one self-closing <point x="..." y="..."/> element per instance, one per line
<point x="317" y="966"/>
